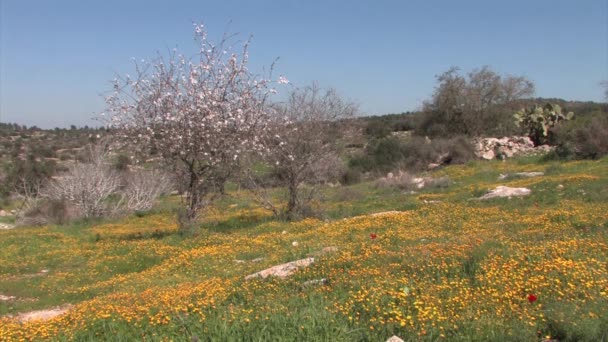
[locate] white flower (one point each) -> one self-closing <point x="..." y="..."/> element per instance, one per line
<point x="282" y="80"/>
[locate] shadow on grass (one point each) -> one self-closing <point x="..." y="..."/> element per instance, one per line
<point x="235" y="224"/>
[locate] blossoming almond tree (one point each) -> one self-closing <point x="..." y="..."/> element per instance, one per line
<point x="200" y="114"/>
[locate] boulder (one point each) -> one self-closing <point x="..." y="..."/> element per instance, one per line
<point x="394" y="338"/>
<point x="283" y="270"/>
<point x="4" y="298"/>
<point x="505" y="191"/>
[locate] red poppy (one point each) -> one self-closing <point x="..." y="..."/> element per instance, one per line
<point x="532" y="298"/>
<point x="373" y="236"/>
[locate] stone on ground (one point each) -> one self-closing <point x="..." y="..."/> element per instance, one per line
<point x="505" y="191"/>
<point x="43" y="315"/>
<point x="283" y="270"/>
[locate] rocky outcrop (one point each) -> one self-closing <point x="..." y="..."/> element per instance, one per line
<point x="507" y="147"/>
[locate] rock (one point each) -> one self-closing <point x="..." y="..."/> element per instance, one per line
<point x="327" y="250"/>
<point x="520" y="174"/>
<point x="507" y="147"/>
<point x="4" y="298"/>
<point x="390" y="175"/>
<point x="3" y="213"/>
<point x="505" y="191"/>
<point x="241" y="261"/>
<point x="530" y="174"/>
<point x="283" y="270"/>
<point x="295" y="243"/>
<point x="6" y="226"/>
<point x="43" y="315"/>
<point x="418" y="182"/>
<point x="488" y="155"/>
<point x="560" y="186"/>
<point x="322" y="281"/>
<point x="394" y="338"/>
<point x="433" y="166"/>
<point x="505" y="151"/>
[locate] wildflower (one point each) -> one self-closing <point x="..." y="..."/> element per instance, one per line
<point x="373" y="236"/>
<point x="532" y="298"/>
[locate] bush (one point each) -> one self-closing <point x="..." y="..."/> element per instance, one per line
<point x="351" y="176"/>
<point x="585" y="138"/>
<point x="43" y="212"/>
<point x="413" y="154"/>
<point x="378" y="129"/>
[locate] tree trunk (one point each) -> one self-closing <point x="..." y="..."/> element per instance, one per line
<point x="193" y="203"/>
<point x="293" y="197"/>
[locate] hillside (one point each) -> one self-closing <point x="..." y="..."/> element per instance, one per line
<point x="436" y="264"/>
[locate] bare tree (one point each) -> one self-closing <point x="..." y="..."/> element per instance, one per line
<point x="474" y="104"/>
<point x="303" y="142"/>
<point x="86" y="186"/>
<point x="142" y="189"/>
<point x="200" y="114"/>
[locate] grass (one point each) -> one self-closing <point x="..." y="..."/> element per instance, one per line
<point x="444" y="267"/>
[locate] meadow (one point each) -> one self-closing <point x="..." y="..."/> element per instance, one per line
<point x="427" y="266"/>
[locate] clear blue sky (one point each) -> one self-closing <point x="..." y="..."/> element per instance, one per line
<point x="57" y="57"/>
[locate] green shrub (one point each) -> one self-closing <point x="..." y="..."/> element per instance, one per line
<point x="378" y="129"/>
<point x="351" y="176"/>
<point x="412" y="154"/>
<point x="585" y="138"/>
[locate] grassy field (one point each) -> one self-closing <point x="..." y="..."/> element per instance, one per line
<point x="440" y="267"/>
